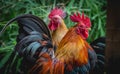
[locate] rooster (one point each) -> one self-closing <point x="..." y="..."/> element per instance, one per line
<point x="98" y="46"/>
<point x="73" y="55"/>
<point x="57" y="25"/>
<point x="36" y="49"/>
<point x="33" y="39"/>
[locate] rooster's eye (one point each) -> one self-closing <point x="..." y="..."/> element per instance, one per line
<point x="55" y="19"/>
<point x="81" y="26"/>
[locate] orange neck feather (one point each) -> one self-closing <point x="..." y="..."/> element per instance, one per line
<point x="73" y="49"/>
<point x="59" y="33"/>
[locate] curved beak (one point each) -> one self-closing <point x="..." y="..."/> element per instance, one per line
<point x="49" y="19"/>
<point x="88" y="28"/>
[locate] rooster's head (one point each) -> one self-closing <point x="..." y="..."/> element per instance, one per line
<point x="56" y="16"/>
<point x="83" y="24"/>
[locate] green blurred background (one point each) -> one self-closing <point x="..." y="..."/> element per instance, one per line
<point x="95" y="9"/>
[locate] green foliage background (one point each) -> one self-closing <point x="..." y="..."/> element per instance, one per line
<point x="95" y="9"/>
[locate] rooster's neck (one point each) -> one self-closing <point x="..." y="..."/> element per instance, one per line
<point x="72" y="48"/>
<point x="59" y="33"/>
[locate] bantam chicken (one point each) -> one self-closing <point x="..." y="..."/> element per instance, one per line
<point x="98" y="46"/>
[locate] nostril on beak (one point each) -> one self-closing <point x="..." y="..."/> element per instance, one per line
<point x="88" y="28"/>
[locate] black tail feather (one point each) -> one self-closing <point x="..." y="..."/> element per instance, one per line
<point x="32" y="38"/>
<point x="33" y="18"/>
<point x="99" y="46"/>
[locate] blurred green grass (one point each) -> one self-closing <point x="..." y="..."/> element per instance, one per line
<point x="95" y="9"/>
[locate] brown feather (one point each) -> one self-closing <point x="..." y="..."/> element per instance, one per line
<point x="73" y="48"/>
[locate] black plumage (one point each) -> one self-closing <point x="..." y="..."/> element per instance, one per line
<point x="99" y="46"/>
<point x="33" y="39"/>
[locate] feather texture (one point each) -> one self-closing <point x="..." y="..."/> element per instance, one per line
<point x="34" y="44"/>
<point x="99" y="47"/>
<point x="33" y="40"/>
<point x="73" y="55"/>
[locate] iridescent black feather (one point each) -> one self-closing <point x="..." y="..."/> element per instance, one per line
<point x="33" y="38"/>
<point x="99" y="46"/>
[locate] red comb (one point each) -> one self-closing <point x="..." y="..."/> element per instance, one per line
<point x="81" y="18"/>
<point x="57" y="11"/>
